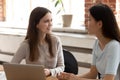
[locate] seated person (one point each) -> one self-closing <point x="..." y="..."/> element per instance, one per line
<point x="106" y="51"/>
<point x="40" y="45"/>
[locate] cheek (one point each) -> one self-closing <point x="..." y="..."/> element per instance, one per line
<point x="91" y="27"/>
<point x="40" y="28"/>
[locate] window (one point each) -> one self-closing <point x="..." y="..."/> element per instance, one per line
<point x="18" y="11"/>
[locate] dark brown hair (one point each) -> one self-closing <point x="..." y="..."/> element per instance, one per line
<point x="102" y="12"/>
<point x="32" y="33"/>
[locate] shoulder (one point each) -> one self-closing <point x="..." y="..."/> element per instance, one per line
<point x="114" y="44"/>
<point x="24" y="43"/>
<point x="113" y="47"/>
<point x="23" y="48"/>
<point x="55" y="38"/>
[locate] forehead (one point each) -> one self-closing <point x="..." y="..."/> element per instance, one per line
<point x="47" y="15"/>
<point x="91" y="17"/>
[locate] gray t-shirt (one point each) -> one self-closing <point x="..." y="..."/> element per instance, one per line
<point x="55" y="64"/>
<point x="107" y="61"/>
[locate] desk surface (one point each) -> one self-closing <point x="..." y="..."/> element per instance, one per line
<point x="48" y="78"/>
<point x="51" y="78"/>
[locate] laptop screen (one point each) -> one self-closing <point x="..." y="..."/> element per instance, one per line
<point x="24" y="71"/>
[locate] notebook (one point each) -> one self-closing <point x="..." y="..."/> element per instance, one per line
<point x="24" y="71"/>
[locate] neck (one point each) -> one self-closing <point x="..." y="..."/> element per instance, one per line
<point x="103" y="41"/>
<point x="42" y="38"/>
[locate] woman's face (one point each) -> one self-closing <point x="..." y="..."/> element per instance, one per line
<point x="45" y="24"/>
<point x="93" y="26"/>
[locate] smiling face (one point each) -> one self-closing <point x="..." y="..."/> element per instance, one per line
<point x="94" y="26"/>
<point x="45" y="23"/>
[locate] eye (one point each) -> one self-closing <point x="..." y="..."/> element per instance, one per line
<point x="46" y="21"/>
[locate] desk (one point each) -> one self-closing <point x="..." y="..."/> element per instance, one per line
<point x="51" y="78"/>
<point x="48" y="78"/>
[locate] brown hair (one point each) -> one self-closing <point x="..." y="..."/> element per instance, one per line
<point x="32" y="33"/>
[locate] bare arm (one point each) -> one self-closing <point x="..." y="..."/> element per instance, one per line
<point x="92" y="74"/>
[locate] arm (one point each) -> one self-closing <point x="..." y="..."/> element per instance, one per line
<point x="92" y="74"/>
<point x="20" y="54"/>
<point x="112" y="60"/>
<point x="60" y="59"/>
<point x="70" y="76"/>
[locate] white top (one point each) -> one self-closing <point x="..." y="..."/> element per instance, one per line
<point x="107" y="61"/>
<point x="55" y="64"/>
<point x="2" y="75"/>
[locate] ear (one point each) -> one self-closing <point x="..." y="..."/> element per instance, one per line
<point x="100" y="23"/>
<point x="37" y="26"/>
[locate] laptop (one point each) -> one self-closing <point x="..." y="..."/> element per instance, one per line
<point x="24" y="71"/>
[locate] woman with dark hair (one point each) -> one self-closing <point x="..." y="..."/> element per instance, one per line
<point x="40" y="45"/>
<point x="106" y="50"/>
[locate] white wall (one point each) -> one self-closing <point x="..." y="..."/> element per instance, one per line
<point x="10" y="43"/>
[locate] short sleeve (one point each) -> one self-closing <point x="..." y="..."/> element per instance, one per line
<point x="93" y="53"/>
<point x="113" y="59"/>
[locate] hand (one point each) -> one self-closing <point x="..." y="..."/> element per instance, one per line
<point x="67" y="76"/>
<point x="47" y="72"/>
